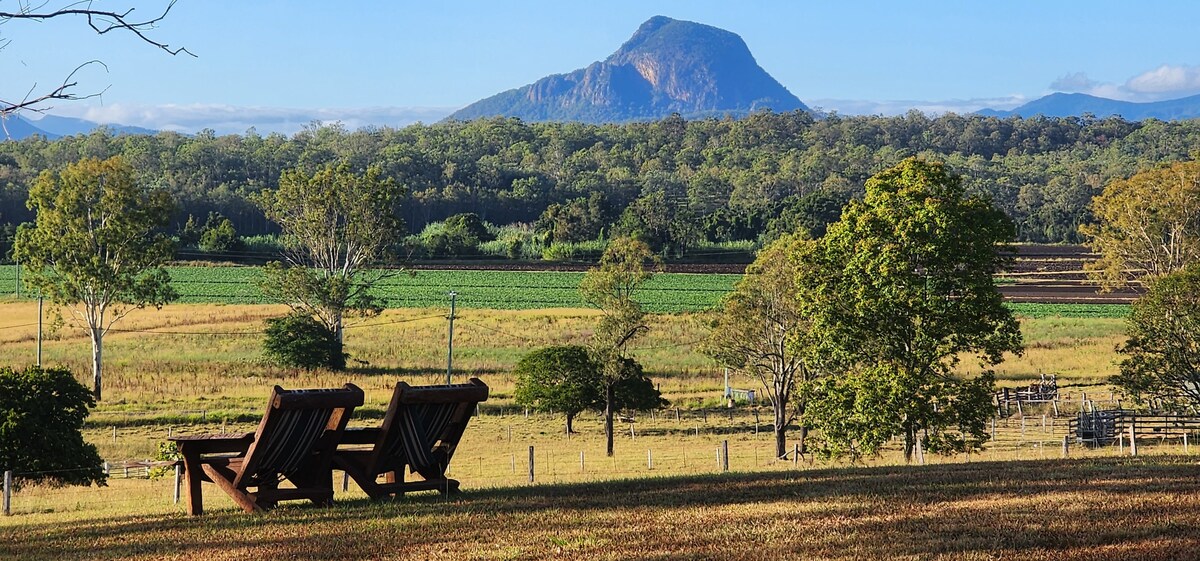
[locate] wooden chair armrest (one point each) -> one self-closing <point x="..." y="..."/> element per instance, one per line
<point x="213" y="443"/>
<point x="364" y="435"/>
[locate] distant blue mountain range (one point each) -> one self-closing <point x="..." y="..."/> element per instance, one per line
<point x="53" y="126"/>
<point x="1077" y="104"/>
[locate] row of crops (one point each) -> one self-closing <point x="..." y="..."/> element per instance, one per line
<point x="508" y="290"/>
<point x="503" y="290"/>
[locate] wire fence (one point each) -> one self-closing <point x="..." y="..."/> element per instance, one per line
<point x="511" y="448"/>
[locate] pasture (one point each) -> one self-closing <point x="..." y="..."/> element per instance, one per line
<point x="197" y="367"/>
<point x="1103" y="508"/>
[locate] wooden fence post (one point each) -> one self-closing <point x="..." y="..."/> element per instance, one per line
<point x="796" y="454"/>
<point x="531" y="464"/>
<point x="1132" y="438"/>
<point x="1185" y="442"/>
<point x="178" y="480"/>
<point x="581" y="464"/>
<point x="725" y="455"/>
<point x="1065" y="450"/>
<point x="649" y="459"/>
<point x="8" y="492"/>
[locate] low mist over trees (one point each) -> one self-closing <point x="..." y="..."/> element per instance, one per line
<point x="670" y="183"/>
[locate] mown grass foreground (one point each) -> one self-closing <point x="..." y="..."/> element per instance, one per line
<point x="1145" y="509"/>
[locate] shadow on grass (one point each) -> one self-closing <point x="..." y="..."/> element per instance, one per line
<point x="1069" y="509"/>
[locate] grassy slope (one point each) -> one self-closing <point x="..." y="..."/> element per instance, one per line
<point x="1110" y="509"/>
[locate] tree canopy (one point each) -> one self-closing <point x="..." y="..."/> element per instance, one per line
<point x="1148" y="224"/>
<point x="97" y="245"/>
<point x="1162" y="354"/>
<point x="41" y="416"/>
<point x="336" y="223"/>
<point x="762" y="330"/>
<point x="729" y="174"/>
<point x="610" y="287"/>
<point x="905" y="289"/>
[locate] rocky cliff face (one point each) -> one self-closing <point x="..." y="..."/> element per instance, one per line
<point x="668" y="66"/>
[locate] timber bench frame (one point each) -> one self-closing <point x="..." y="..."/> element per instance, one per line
<point x="420" y="431"/>
<point x="295" y="441"/>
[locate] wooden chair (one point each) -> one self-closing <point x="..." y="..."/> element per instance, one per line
<point x="295" y="440"/>
<point x="420" y="432"/>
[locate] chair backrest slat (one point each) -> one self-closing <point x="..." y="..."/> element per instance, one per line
<point x="421" y="420"/>
<point x="290" y="433"/>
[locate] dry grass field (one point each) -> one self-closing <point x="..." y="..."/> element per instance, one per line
<point x="197" y="368"/>
<point x="1112" y="509"/>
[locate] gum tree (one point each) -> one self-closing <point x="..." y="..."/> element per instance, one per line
<point x="762" y="331"/>
<point x="610" y="287"/>
<point x="1147" y="225"/>
<point x="97" y="246"/>
<point x="336" y="223"/>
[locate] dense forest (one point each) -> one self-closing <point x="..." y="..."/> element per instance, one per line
<point x="674" y="182"/>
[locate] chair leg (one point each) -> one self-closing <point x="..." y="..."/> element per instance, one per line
<point x="239" y="496"/>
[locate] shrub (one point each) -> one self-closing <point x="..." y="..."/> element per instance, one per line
<point x="298" y="340"/>
<point x="41" y="414"/>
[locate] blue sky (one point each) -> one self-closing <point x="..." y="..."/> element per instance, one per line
<point x="279" y="64"/>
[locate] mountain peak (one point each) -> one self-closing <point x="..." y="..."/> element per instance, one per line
<point x="667" y="66"/>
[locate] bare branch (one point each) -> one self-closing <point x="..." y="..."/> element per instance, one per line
<point x="104" y="21"/>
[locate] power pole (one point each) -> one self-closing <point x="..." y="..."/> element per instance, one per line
<point x="39" y="335"/>
<point x="450" y="347"/>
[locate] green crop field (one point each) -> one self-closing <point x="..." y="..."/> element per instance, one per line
<point x="512" y="290"/>
<point x="500" y="290"/>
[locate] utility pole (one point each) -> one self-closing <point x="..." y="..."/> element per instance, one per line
<point x="39" y="335"/>
<point x="450" y="347"/>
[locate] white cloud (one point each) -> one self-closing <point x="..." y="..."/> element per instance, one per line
<point x="1075" y="82"/>
<point x="1165" y="82"/>
<point x="229" y="119"/>
<point x="1166" y="79"/>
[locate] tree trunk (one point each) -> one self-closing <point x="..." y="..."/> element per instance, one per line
<point x="910" y="441"/>
<point x="608" y="416"/>
<point x="780" y="428"/>
<point x="340" y="330"/>
<point x="97" y="368"/>
<point x="570" y="423"/>
<point x="803" y="437"/>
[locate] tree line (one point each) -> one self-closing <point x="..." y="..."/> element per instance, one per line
<point x="673" y="183"/>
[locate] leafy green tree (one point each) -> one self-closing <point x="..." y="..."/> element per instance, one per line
<point x="905" y="289"/>
<point x="97" y="245"/>
<point x="298" y="340"/>
<point x="561" y="379"/>
<point x="610" y="287"/>
<point x="219" y="236"/>
<point x="41" y="416"/>
<point x="1148" y="224"/>
<point x="1162" y="355"/>
<point x="577" y="220"/>
<point x="762" y="331"/>
<point x="635" y="391"/>
<point x="460" y="234"/>
<point x="567" y="379"/>
<point x="189" y="234"/>
<point x="335" y="223"/>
